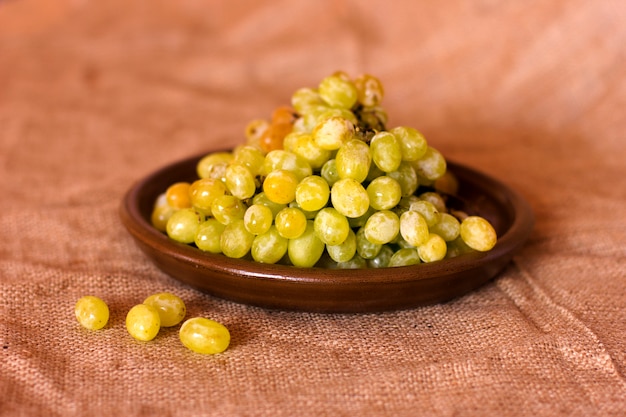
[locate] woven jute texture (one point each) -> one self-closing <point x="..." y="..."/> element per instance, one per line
<point x="94" y="95"/>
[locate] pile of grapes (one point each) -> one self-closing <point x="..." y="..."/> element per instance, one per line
<point x="325" y="183"/>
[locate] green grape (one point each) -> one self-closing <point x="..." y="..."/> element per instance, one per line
<point x="240" y="181"/>
<point x="434" y="249"/>
<point x="269" y="247"/>
<point x="307" y="249"/>
<point x="258" y="219"/>
<point x="412" y="143"/>
<point x="251" y="157"/>
<point x="436" y="199"/>
<point x="357" y="262"/>
<point x="349" y="198"/>
<point x="457" y="247"/>
<point x="310" y="215"/>
<point x="382" y="259"/>
<point x="290" y="222"/>
<point x="330" y="112"/>
<point x="329" y="172"/>
<point x="214" y="165"/>
<point x="306" y="148"/>
<point x="202" y="335"/>
<point x="478" y="233"/>
<point x="280" y="186"/>
<point x="404" y="257"/>
<point x="353" y="160"/>
<point x="261" y="198"/>
<point x="365" y="248"/>
<point x="160" y="215"/>
<point x="228" y="208"/>
<point x="384" y="193"/>
<point x="305" y="98"/>
<point x="448" y="227"/>
<point x="406" y="177"/>
<point x="413" y="228"/>
<point x="431" y="166"/>
<point x="344" y="251"/>
<point x="170" y="307"/>
<point x="208" y="236"/>
<point x="312" y="193"/>
<point x="143" y="322"/>
<point x="183" y="225"/>
<point x="427" y="210"/>
<point x="370" y="91"/>
<point x="235" y="240"/>
<point x="282" y="160"/>
<point x="204" y="191"/>
<point x="331" y="226"/>
<point x="382" y="227"/>
<point x="356" y="222"/>
<point x="338" y="92"/>
<point x="91" y="312"/>
<point x="333" y="132"/>
<point x="386" y="151"/>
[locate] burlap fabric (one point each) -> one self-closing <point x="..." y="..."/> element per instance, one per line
<point x="95" y="95"/>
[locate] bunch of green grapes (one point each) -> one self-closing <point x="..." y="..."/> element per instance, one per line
<point x="325" y="183"/>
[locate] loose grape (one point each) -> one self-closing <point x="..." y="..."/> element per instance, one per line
<point x="269" y="247"/>
<point x="349" y="197"/>
<point x="205" y="336"/>
<point x="305" y="250"/>
<point x="305" y="98"/>
<point x="178" y="195"/>
<point x="258" y="219"/>
<point x="235" y="240"/>
<point x="160" y="215"/>
<point x="170" y="307"/>
<point x="434" y="249"/>
<point x="209" y="235"/>
<point x="478" y="233"/>
<point x="312" y="193"/>
<point x="290" y="222"/>
<point x="91" y="312"/>
<point x="183" y="225"/>
<point x="143" y="322"/>
<point x="280" y="186"/>
<point x="384" y="193"/>
<point x="331" y="226"/>
<point x="382" y="227"/>
<point x="386" y="151"/>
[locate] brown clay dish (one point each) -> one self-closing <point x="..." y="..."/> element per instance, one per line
<point x="332" y="290"/>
